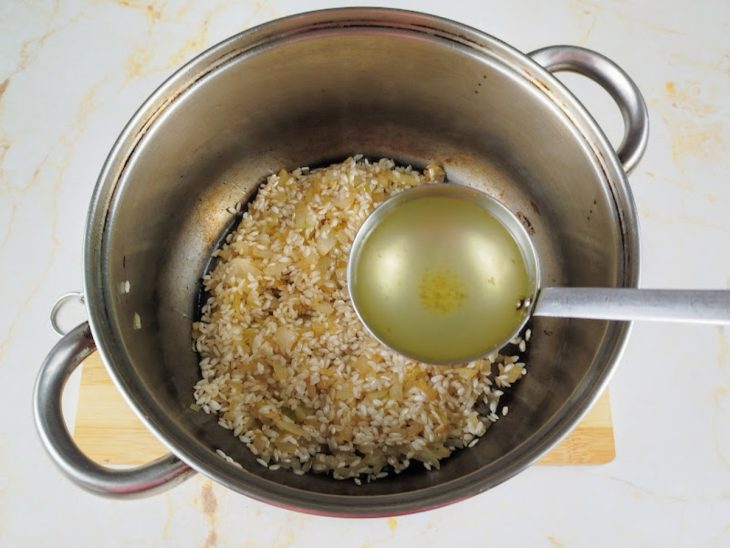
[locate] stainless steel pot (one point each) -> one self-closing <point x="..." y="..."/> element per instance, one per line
<point x="315" y="88"/>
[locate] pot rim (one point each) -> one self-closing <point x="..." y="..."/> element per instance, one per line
<point x="98" y="293"/>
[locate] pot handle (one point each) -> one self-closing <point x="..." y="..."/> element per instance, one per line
<point x="616" y="82"/>
<point x="61" y="361"/>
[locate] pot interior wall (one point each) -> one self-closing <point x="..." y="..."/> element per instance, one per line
<point x="310" y="101"/>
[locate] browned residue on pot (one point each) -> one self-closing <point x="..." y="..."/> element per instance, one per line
<point x="535" y="207"/>
<point x="535" y="81"/>
<point x="524" y="219"/>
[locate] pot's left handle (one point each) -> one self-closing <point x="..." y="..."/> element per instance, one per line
<point x="143" y="480"/>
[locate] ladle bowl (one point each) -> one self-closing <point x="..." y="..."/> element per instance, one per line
<point x="393" y="313"/>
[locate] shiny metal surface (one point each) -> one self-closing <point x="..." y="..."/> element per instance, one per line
<point x="669" y="305"/>
<point x="151" y="478"/>
<point x="311" y="89"/>
<point x="460" y="192"/>
<point x="616" y="82"/>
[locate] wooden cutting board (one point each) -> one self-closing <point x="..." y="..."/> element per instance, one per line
<point x="109" y="432"/>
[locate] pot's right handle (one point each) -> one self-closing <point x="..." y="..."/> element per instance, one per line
<point x="616" y="82"/>
<point x="150" y="478"/>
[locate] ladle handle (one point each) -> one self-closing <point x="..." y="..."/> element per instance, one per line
<point x="669" y="305"/>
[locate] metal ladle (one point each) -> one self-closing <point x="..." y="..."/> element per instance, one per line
<point x="598" y="303"/>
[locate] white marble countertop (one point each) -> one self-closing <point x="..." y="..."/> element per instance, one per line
<point x="72" y="72"/>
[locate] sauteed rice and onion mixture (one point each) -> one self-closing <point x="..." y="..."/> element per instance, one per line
<point x="288" y="367"/>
